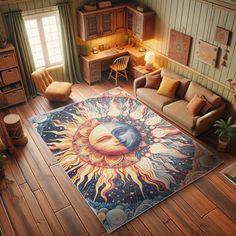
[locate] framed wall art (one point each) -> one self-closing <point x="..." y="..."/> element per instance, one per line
<point x="222" y="35"/>
<point x="207" y="53"/>
<point x="179" y="46"/>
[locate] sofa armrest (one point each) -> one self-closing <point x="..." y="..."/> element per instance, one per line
<point x="208" y="119"/>
<point x="140" y="82"/>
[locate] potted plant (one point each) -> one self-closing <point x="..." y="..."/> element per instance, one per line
<point x="227" y="131"/>
<point x="3" y="160"/>
<point x="3" y="40"/>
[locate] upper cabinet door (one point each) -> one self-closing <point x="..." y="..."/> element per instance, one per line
<point x="130" y="21"/>
<point x="138" y="25"/>
<point x="106" y="23"/>
<point x="119" y="20"/>
<point x="92" y="26"/>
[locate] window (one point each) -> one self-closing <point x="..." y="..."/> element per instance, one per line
<point x="45" y="43"/>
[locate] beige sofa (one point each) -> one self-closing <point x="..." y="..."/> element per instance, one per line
<point x="175" y="109"/>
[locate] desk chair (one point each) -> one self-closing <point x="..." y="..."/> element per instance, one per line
<point x="52" y="90"/>
<point x="119" y="66"/>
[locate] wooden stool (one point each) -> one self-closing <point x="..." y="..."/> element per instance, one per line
<point x="14" y="129"/>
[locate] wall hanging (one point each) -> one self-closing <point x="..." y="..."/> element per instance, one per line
<point x="179" y="46"/>
<point x="207" y="53"/>
<point x="222" y="35"/>
<point x="225" y="58"/>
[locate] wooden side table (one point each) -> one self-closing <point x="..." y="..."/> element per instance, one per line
<point x="140" y="71"/>
<point x="14" y="129"/>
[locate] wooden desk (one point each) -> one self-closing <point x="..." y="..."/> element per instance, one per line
<point x="92" y="64"/>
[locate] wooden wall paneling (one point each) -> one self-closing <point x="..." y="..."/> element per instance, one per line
<point x="172" y="16"/>
<point x="206" y="31"/>
<point x="48" y="212"/>
<point x="179" y="15"/>
<point x="18" y="211"/>
<point x="70" y="222"/>
<point x="229" y="21"/>
<point x="5" y="222"/>
<point x="80" y="206"/>
<point x="197" y="65"/>
<point x="161" y="12"/>
<point x="220" y="68"/>
<point x="36" y="210"/>
<point x="38" y="4"/>
<point x="185" y="16"/>
<point x="165" y="40"/>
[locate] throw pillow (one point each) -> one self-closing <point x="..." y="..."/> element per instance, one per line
<point x="195" y="105"/>
<point x="206" y="107"/>
<point x="168" y="87"/>
<point x="153" y="81"/>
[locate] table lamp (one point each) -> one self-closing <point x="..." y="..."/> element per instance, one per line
<point x="149" y="58"/>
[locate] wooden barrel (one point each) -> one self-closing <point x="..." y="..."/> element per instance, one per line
<point x="14" y="129"/>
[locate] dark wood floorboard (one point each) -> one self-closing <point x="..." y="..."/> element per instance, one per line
<point x="37" y="198"/>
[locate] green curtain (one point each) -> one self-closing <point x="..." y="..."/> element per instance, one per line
<point x="71" y="61"/>
<point x="19" y="39"/>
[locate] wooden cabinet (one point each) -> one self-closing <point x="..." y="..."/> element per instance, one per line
<point x="91" y="71"/>
<point x="95" y="25"/>
<point x="106" y="23"/>
<point x="130" y="21"/>
<point x="124" y="18"/>
<point x="11" y="86"/>
<point x="119" y="20"/>
<point x="92" y="28"/>
<point x="140" y="24"/>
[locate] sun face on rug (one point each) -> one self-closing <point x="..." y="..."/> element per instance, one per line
<point x="108" y="145"/>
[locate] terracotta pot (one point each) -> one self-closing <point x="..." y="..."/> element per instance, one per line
<point x="223" y="144"/>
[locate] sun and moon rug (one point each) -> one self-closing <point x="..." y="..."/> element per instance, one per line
<point x="122" y="157"/>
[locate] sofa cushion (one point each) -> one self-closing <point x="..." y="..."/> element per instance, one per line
<point x="150" y="97"/>
<point x="183" y="85"/>
<point x="153" y="81"/>
<point x="168" y="87"/>
<point x="195" y="105"/>
<point x="206" y="107"/>
<point x="178" y="112"/>
<point x="195" y="88"/>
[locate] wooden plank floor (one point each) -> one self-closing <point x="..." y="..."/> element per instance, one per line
<point x="37" y="198"/>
